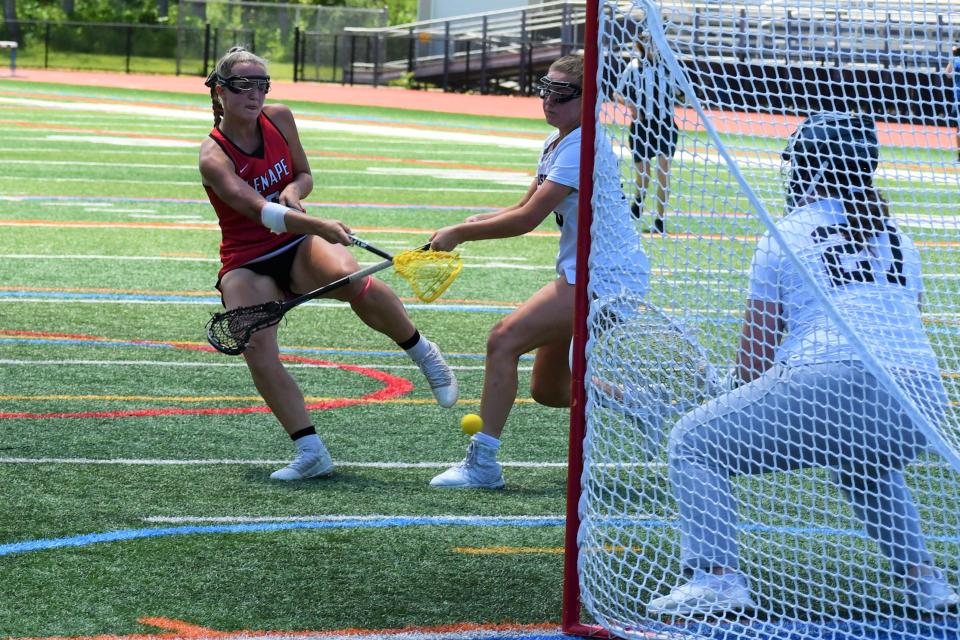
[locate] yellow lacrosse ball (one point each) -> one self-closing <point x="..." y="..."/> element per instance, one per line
<point x="471" y="424"/>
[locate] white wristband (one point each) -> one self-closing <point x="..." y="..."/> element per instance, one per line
<point x="271" y="215"/>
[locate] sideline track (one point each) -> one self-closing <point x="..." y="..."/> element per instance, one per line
<point x="480" y="105"/>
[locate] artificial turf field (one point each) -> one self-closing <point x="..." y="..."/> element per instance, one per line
<point x="135" y="461"/>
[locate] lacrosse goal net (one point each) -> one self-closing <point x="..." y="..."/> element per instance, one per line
<point x="739" y="79"/>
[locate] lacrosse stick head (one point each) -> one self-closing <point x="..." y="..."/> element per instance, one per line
<point x="651" y="359"/>
<point x="429" y="272"/>
<point x="229" y="331"/>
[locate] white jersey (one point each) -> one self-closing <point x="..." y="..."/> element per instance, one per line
<point x="876" y="287"/>
<point x="560" y="163"/>
<point x="625" y="266"/>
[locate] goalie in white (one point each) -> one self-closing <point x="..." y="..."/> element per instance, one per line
<point x="807" y="400"/>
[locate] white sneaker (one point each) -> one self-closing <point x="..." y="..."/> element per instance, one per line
<point x="706" y="594"/>
<point x="438" y="374"/>
<point x="479" y="470"/>
<point x="931" y="593"/>
<point x="647" y="409"/>
<point x="310" y="464"/>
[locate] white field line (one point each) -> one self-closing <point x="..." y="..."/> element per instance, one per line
<point x="79" y="256"/>
<point x="339" y="518"/>
<point x="158" y="216"/>
<point x="327" y="186"/>
<point x="343" y="464"/>
<point x="439" y="173"/>
<point x="239" y="365"/>
<point x="156" y="462"/>
<point x="84" y="163"/>
<point x="514" y="178"/>
<point x="100" y="179"/>
<point x="132" y="301"/>
<point x="332" y="144"/>
<point x="304" y="123"/>
<point x="135" y="211"/>
<point x="161" y="140"/>
<point x="769" y="160"/>
<point x="58" y="149"/>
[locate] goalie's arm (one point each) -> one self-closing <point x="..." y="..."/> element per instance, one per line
<point x="760" y="335"/>
<point x="516" y="221"/>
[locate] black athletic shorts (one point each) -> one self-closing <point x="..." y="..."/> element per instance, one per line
<point x="277" y="266"/>
<point x="649" y="139"/>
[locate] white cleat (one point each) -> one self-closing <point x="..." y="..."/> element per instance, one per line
<point x="706" y="594"/>
<point x="438" y="374"/>
<point x="931" y="593"/>
<point x="313" y="464"/>
<point x="479" y="470"/>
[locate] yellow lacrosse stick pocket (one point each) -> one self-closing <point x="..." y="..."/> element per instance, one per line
<point x="429" y="272"/>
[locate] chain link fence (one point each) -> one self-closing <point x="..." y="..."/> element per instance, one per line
<point x="201" y="31"/>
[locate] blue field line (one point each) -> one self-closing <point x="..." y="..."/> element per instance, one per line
<point x="382" y="523"/>
<point x="87" y="343"/>
<point x="139" y="534"/>
<point x="92" y="295"/>
<point x="320" y="205"/>
<point x="215" y="300"/>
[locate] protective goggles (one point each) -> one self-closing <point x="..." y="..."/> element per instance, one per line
<point x="241" y="84"/>
<point x="560" y="91"/>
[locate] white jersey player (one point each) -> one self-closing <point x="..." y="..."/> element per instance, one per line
<point x="618" y="263"/>
<point x="545" y="322"/>
<point x="806" y="398"/>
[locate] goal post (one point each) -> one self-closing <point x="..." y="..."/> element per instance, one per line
<point x="796" y="168"/>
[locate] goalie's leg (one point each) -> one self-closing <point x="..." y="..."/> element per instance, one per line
<point x="827" y="415"/>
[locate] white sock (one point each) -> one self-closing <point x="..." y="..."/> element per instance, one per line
<point x="486" y="440"/>
<point x="419" y="350"/>
<point x="308" y="444"/>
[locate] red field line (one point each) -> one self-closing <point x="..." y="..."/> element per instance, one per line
<point x="393" y="386"/>
<point x="181" y="629"/>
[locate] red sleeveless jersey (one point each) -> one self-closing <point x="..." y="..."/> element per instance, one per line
<point x="268" y="170"/>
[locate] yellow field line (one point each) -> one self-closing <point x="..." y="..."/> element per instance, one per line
<point x="506" y="550"/>
<point x="523" y="550"/>
<point x="141" y="398"/>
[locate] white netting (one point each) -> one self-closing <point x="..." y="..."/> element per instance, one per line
<point x="824" y="485"/>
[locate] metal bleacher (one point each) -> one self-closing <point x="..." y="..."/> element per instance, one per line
<point x="490" y="51"/>
<point x="886" y="34"/>
<point x="800" y="56"/>
<point x="802" y="43"/>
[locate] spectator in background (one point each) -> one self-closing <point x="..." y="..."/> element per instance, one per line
<point x="649" y="92"/>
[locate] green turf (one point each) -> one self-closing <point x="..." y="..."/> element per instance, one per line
<point x="91" y="263"/>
